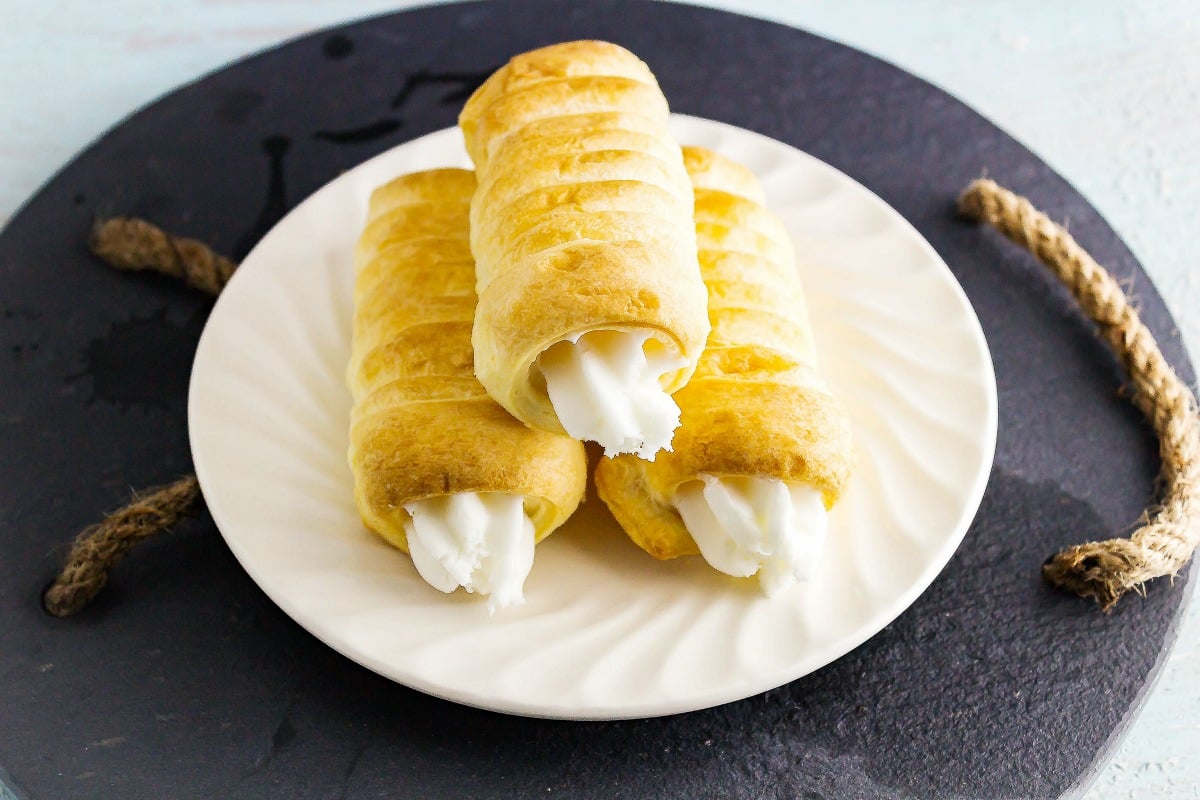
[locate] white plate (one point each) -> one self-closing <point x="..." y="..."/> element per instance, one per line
<point x="607" y="632"/>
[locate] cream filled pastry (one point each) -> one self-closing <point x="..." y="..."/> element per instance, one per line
<point x="604" y="387"/>
<point x="760" y="526"/>
<point x="592" y="310"/>
<point x="764" y="448"/>
<point x="440" y="470"/>
<point x="481" y="541"/>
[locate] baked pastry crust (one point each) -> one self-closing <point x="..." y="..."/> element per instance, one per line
<point x="756" y="405"/>
<point x="422" y="425"/>
<point x="582" y="219"/>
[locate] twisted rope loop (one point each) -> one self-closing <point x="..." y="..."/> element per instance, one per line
<point x="129" y="243"/>
<point x="1105" y="570"/>
<point x="1165" y="541"/>
<point x="98" y="549"/>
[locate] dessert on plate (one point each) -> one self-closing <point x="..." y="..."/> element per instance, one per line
<point x="592" y="310"/>
<point x="441" y="471"/>
<point x="764" y="448"/>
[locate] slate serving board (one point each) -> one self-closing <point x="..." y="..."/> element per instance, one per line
<point x="183" y="680"/>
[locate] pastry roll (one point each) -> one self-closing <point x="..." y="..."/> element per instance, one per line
<point x="591" y="305"/>
<point x="440" y="470"/>
<point x="764" y="448"/>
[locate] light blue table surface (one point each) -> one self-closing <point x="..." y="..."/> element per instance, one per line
<point x="1108" y="92"/>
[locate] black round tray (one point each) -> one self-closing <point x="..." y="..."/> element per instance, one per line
<point x="183" y="680"/>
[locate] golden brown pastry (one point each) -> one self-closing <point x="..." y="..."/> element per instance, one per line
<point x="591" y="306"/>
<point x="440" y="470"/>
<point x="764" y="448"/>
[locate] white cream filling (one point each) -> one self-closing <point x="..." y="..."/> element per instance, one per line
<point x="481" y="541"/>
<point x="604" y="386"/>
<point x="748" y="525"/>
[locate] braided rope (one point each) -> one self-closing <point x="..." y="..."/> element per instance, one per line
<point x="1165" y="542"/>
<point x="132" y="244"/>
<point x="98" y="549"/>
<point x="129" y="243"/>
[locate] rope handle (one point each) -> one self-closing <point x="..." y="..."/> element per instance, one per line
<point x="99" y="548"/>
<point x="132" y="244"/>
<point x="1165" y="541"/>
<point x="1105" y="570"/>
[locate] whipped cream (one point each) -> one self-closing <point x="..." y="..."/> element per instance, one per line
<point x="748" y="525"/>
<point x="481" y="541"/>
<point x="604" y="386"/>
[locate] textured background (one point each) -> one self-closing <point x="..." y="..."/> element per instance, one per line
<point x="1110" y="100"/>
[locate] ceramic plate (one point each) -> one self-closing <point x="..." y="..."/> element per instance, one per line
<point x="607" y="631"/>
